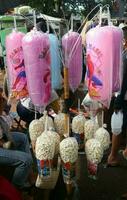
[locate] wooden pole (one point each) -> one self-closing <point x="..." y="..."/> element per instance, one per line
<point x="69" y="187"/>
<point x="66" y="98"/>
<point x="66" y="83"/>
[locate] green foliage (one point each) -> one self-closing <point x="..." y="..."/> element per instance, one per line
<point x="44" y="6"/>
<point x="58" y="7"/>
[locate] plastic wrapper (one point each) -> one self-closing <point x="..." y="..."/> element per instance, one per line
<point x="117" y="122"/>
<point x="94" y="154"/>
<point x="55" y="136"/>
<point x="78" y="123"/>
<point x="117" y="57"/>
<point x="36" y="49"/>
<point x="55" y="62"/>
<point x="90" y="128"/>
<point x="99" y="64"/>
<point x="36" y="128"/>
<point x="102" y="135"/>
<point x="44" y="151"/>
<point x="15" y="65"/>
<point x="50" y="121"/>
<point x="91" y="105"/>
<point x="69" y="155"/>
<point x="59" y="122"/>
<point x="50" y="182"/>
<point x="72" y="51"/>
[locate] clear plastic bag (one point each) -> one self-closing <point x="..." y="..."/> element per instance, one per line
<point x="117" y="122"/>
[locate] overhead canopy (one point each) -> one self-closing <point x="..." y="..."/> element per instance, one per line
<point x="49" y="18"/>
<point x="7" y="4"/>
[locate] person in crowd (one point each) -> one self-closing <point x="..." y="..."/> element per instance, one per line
<point x="42" y="26"/>
<point x="26" y="109"/>
<point x="120" y="104"/>
<point x="15" y="153"/>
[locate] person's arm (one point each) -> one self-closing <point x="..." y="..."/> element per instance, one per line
<point x="124" y="81"/>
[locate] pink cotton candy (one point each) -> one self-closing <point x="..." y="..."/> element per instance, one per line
<point x="117" y="57"/>
<point x="15" y="64"/>
<point x="99" y="59"/>
<point x="37" y="61"/>
<point x="72" y="49"/>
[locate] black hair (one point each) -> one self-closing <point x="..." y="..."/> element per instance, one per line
<point x="42" y="26"/>
<point x="125" y="32"/>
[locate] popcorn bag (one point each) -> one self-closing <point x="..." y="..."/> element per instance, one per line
<point x="103" y="136"/>
<point x="46" y="147"/>
<point x="78" y="123"/>
<point x="69" y="156"/>
<point x="36" y="128"/>
<point x="94" y="154"/>
<point x="90" y="128"/>
<point x="50" y="182"/>
<point x="59" y="122"/>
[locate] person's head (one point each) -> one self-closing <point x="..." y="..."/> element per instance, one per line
<point x="123" y="27"/>
<point x="42" y="26"/>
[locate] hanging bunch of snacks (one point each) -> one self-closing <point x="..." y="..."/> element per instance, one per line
<point x="94" y="154"/>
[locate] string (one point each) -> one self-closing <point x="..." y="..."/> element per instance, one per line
<point x="15" y="25"/>
<point x="99" y="5"/>
<point x="72" y="22"/>
<point x="78" y="105"/>
<point x="73" y="48"/>
<point x="100" y="16"/>
<point x="34" y="18"/>
<point x="102" y="118"/>
<point x="60" y="55"/>
<point x="46" y="123"/>
<point x="35" y="112"/>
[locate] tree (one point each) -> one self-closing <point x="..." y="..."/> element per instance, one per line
<point x="50" y="7"/>
<point x="60" y="8"/>
<point x="57" y="7"/>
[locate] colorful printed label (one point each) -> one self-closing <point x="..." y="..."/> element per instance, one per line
<point x="68" y="171"/>
<point x="44" y="167"/>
